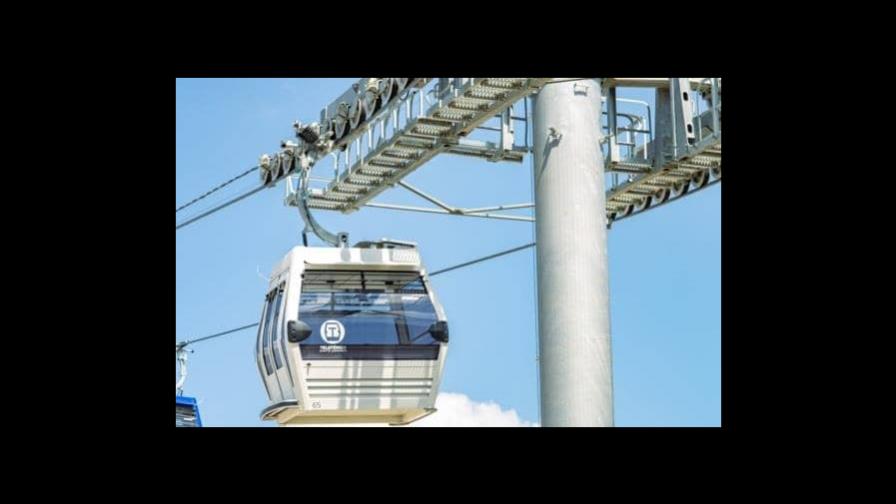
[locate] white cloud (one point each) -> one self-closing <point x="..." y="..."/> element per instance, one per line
<point x="458" y="410"/>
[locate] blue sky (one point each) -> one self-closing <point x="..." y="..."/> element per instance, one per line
<point x="665" y="267"/>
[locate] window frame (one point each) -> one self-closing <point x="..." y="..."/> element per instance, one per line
<point x="261" y="330"/>
<point x="266" y="337"/>
<point x="277" y="330"/>
<point x="403" y="346"/>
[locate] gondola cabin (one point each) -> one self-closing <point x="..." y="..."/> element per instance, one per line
<point x="351" y="335"/>
<point x="186" y="412"/>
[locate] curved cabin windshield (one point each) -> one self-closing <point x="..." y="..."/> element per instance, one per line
<point x="367" y="315"/>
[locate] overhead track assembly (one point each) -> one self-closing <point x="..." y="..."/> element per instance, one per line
<point x="415" y="128"/>
<point x="684" y="156"/>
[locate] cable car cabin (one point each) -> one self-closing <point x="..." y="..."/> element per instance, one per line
<point x="186" y="412"/>
<point x="351" y="335"/>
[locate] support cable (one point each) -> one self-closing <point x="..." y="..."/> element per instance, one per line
<point x="219" y="207"/>
<point x="222" y="186"/>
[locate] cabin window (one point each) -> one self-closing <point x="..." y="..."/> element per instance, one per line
<point x="259" y="345"/>
<point x="367" y="309"/>
<point x="186" y="415"/>
<point x="266" y="341"/>
<point x="276" y="328"/>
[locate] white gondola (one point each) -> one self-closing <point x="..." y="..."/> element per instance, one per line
<point x="351" y="335"/>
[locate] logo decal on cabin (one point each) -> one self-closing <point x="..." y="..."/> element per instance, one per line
<point x="332" y="332"/>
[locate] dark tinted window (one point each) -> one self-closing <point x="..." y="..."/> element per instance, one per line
<point x="366" y="308"/>
<point x="262" y="325"/>
<point x="266" y="341"/>
<point x="275" y="330"/>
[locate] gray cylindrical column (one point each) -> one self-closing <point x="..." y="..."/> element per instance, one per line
<point x="573" y="293"/>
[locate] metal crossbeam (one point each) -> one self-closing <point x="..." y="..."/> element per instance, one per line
<point x="446" y="212"/>
<point x="457" y="108"/>
<point x="447" y="209"/>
